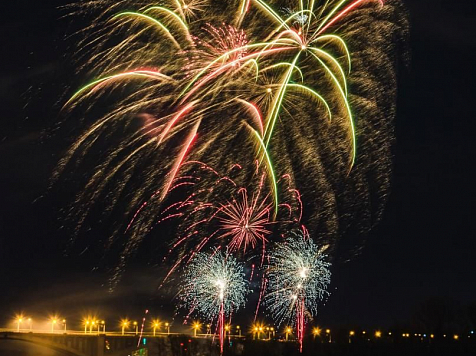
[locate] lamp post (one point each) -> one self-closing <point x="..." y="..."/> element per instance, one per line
<point x="93" y="323"/>
<point x="19" y="320"/>
<point x="103" y="323"/>
<point x="156" y="325"/>
<point x="352" y="333"/>
<point x="287" y="331"/>
<point x="136" y="326"/>
<point x="196" y="326"/>
<point x="124" y="324"/>
<point x="30" y="323"/>
<point x="316" y="332"/>
<point x="53" y="322"/>
<point x="86" y="324"/>
<point x="167" y="325"/>
<point x="64" y="323"/>
<point x="239" y="330"/>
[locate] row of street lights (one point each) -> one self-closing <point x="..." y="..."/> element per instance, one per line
<point x="54" y="321"/>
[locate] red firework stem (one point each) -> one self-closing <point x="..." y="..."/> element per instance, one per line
<point x="174" y="120"/>
<point x="221" y="327"/>
<point x="178" y="164"/>
<point x="142" y="328"/>
<point x="300" y="323"/>
<point x="343" y="13"/>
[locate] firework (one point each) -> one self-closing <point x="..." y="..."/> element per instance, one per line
<point x="224" y="82"/>
<point x="218" y="211"/>
<point x="214" y="286"/>
<point x="297" y="279"/>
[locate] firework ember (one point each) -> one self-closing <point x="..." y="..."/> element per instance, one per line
<point x="297" y="279"/>
<point x="214" y="285"/>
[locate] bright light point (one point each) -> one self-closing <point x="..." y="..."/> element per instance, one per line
<point x="294" y="296"/>
<point x="303" y="47"/>
<point x="268" y="90"/>
<point x="352" y="333"/>
<point x="185" y="6"/>
<point x="456" y="337"/>
<point x="303" y="272"/>
<point x="378" y="334"/>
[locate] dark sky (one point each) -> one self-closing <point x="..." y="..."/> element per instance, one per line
<point x="423" y="248"/>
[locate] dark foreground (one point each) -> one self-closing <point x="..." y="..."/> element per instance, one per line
<point x="184" y="346"/>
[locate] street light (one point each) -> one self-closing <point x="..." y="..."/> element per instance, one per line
<point x="64" y="322"/>
<point x="19" y="320"/>
<point x="53" y="322"/>
<point x="86" y="324"/>
<point x="196" y="326"/>
<point x="167" y="325"/>
<point x="103" y="323"/>
<point x="351" y="333"/>
<point x="227" y="329"/>
<point x="136" y="326"/>
<point x="155" y="325"/>
<point x="316" y="332"/>
<point x="93" y="324"/>
<point x="328" y="332"/>
<point x="124" y="325"/>
<point x="30" y="323"/>
<point x="378" y="334"/>
<point x="239" y="330"/>
<point x="288" y="331"/>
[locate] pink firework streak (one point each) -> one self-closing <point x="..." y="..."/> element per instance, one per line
<point x="220" y="211"/>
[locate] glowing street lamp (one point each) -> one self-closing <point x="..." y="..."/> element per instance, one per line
<point x="30" y="323"/>
<point x="156" y="325"/>
<point x="93" y="324"/>
<point x="136" y="326"/>
<point x="351" y="333"/>
<point x="378" y="334"/>
<point x="124" y="325"/>
<point x="288" y="331"/>
<point x="167" y="325"/>
<point x="328" y="332"/>
<point x="239" y="330"/>
<point x="53" y="323"/>
<point x="86" y="324"/>
<point x="19" y="320"/>
<point x="64" y="323"/>
<point x="197" y="326"/>
<point x="103" y="323"/>
<point x="316" y="332"/>
<point x="227" y="329"/>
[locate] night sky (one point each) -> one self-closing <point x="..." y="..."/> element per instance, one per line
<point x="423" y="248"/>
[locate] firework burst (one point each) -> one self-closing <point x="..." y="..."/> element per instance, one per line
<point x="216" y="210"/>
<point x="291" y="85"/>
<point x="297" y="279"/>
<point x="214" y="285"/>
